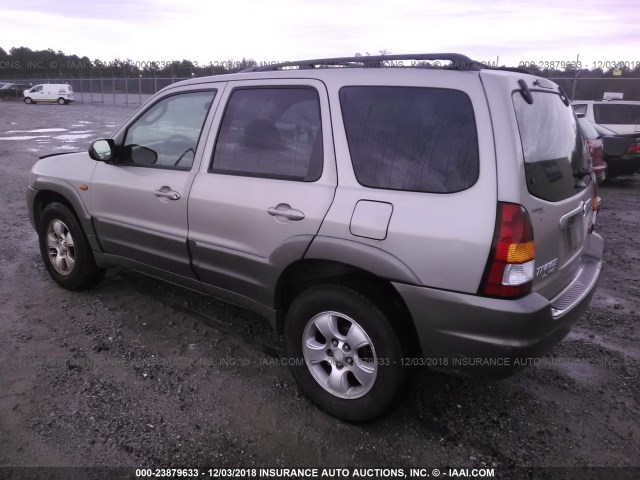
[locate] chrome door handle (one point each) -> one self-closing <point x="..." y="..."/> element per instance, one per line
<point x="568" y="218"/>
<point x="284" y="210"/>
<point x="170" y="194"/>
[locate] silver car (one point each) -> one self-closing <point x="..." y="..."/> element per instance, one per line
<point x="380" y="215"/>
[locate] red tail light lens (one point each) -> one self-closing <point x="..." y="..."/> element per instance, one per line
<point x="634" y="148"/>
<point x="511" y="265"/>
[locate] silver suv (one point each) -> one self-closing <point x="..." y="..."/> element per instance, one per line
<point x="380" y="215"/>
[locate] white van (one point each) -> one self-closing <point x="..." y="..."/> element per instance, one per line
<point x="622" y="117"/>
<point x="49" y="92"/>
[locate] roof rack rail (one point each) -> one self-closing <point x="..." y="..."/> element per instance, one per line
<point x="508" y="69"/>
<point x="458" y="62"/>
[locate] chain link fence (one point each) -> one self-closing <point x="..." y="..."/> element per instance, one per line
<point x="135" y="91"/>
<point x="582" y="88"/>
<point x="109" y="91"/>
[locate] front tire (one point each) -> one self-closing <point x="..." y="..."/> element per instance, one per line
<point x="65" y="250"/>
<point x="28" y="100"/>
<point x="61" y="101"/>
<point x="343" y="352"/>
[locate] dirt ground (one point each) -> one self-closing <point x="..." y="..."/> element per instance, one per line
<point x="139" y="373"/>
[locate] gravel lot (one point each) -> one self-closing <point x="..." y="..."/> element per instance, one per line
<point x="139" y="373"/>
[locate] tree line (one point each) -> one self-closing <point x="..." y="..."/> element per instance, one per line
<point x="24" y="63"/>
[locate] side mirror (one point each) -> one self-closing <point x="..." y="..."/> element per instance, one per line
<point x="102" y="150"/>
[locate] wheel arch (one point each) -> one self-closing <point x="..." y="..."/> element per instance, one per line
<point x="54" y="192"/>
<point x="305" y="273"/>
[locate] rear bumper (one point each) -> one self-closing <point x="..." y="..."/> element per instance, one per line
<point x="468" y="333"/>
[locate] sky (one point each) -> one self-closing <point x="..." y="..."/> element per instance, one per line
<point x="280" y="30"/>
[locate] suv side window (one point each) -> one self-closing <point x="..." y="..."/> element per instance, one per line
<point x="272" y="133"/>
<point x="411" y="138"/>
<point x="166" y="135"/>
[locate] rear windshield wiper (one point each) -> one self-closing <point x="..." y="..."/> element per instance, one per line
<point x="583" y="172"/>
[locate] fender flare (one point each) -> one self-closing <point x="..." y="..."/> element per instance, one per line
<point x="363" y="256"/>
<point x="67" y="191"/>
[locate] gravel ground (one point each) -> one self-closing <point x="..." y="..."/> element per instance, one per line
<point x="138" y="373"/>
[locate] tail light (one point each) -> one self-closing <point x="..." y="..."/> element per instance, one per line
<point x="511" y="265"/>
<point x="634" y="148"/>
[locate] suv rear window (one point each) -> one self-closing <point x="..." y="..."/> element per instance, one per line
<point x="553" y="146"/>
<point x="616" y="114"/>
<point x="411" y="138"/>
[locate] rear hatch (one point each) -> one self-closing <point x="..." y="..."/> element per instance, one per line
<point x="559" y="186"/>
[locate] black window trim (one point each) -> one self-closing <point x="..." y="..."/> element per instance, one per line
<point x="404" y="189"/>
<point x="237" y="173"/>
<point x="123" y="136"/>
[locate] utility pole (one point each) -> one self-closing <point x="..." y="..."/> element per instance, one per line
<point x="575" y="78"/>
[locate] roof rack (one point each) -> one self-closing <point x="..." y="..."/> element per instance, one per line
<point x="458" y="62"/>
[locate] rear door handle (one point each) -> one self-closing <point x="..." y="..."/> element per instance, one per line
<point x="166" y="192"/>
<point x="285" y="211"/>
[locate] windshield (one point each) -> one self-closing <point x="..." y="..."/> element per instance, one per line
<point x="603" y="131"/>
<point x="553" y="146"/>
<point x="588" y="129"/>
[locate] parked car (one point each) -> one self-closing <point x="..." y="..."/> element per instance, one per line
<point x="379" y="218"/>
<point x="49" y="92"/>
<point x="621" y="152"/>
<point x="620" y="116"/>
<point x="595" y="145"/>
<point x="12" y="90"/>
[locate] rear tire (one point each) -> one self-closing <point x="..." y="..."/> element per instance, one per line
<point x="343" y="352"/>
<point x="28" y="100"/>
<point x="65" y="250"/>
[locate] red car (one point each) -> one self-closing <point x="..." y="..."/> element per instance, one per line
<point x="596" y="148"/>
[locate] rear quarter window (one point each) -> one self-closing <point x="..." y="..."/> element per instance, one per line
<point x="580" y="108"/>
<point x="552" y="145"/>
<point x="411" y="138"/>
